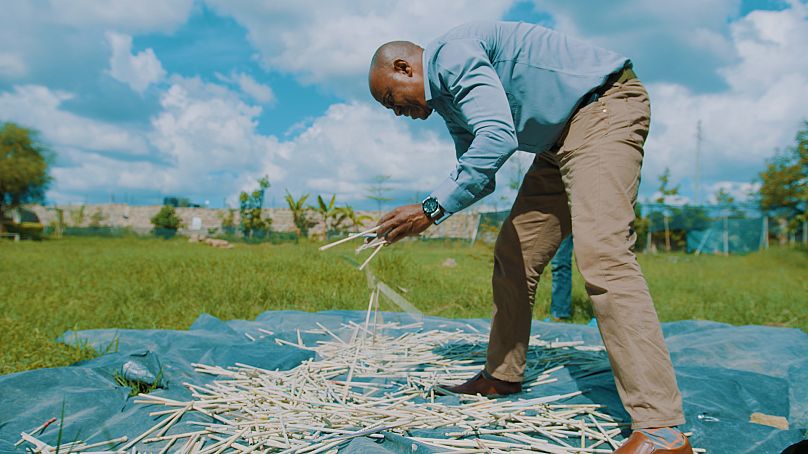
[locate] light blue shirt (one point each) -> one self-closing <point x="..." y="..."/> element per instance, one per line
<point x="503" y="86"/>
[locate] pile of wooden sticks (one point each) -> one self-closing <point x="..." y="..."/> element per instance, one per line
<point x="374" y="379"/>
<point x="366" y="383"/>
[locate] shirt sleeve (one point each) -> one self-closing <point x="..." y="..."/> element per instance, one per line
<point x="480" y="100"/>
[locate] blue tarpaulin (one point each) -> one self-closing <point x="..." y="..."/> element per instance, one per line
<point x="725" y="372"/>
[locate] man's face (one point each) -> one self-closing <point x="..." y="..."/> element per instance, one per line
<point x="400" y="89"/>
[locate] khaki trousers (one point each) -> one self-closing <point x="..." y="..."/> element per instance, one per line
<point x="588" y="185"/>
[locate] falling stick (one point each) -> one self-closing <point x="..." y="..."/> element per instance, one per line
<point x="375" y="251"/>
<point x="349" y="238"/>
<point x="370" y="308"/>
<point x="375" y="315"/>
<point x="351" y="370"/>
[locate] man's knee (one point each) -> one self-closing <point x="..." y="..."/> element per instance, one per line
<point x="604" y="259"/>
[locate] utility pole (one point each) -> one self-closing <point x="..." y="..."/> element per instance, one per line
<point x="698" y="163"/>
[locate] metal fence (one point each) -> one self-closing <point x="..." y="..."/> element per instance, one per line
<point x="704" y="229"/>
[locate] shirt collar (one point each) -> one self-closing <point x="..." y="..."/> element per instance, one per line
<point x="427" y="89"/>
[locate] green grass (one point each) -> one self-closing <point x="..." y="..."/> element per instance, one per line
<point x="82" y="283"/>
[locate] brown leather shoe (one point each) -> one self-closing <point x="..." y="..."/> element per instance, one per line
<point x="486" y="385"/>
<point x="638" y="443"/>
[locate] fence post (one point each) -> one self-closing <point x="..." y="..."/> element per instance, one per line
<point x="667" y="235"/>
<point x="764" y="237"/>
<point x="726" y="236"/>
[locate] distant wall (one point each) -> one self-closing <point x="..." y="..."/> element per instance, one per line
<point x="138" y="218"/>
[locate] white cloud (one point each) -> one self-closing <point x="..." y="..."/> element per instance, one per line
<point x="740" y="191"/>
<point x="139" y="16"/>
<point x="331" y="43"/>
<point x="209" y="135"/>
<point x="61" y="43"/>
<point x="765" y="104"/>
<point x="41" y="108"/>
<point x="138" y="71"/>
<point x="680" y="42"/>
<point x="12" y="65"/>
<point x="260" y="92"/>
<point x="341" y="151"/>
<point x="206" y="140"/>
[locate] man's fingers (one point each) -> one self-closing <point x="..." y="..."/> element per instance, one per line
<point x="385" y="228"/>
<point x="399" y="232"/>
<point x="387" y="216"/>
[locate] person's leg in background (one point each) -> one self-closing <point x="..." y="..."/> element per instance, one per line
<point x="561" y="266"/>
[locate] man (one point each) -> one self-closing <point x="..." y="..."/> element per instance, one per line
<point x="507" y="86"/>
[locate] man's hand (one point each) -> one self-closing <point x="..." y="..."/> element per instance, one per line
<point x="407" y="220"/>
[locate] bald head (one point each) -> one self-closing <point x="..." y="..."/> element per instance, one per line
<point x="389" y="52"/>
<point x="396" y="79"/>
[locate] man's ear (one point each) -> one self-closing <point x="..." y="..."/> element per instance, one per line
<point x="401" y="66"/>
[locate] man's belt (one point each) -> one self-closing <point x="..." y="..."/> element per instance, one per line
<point x="618" y="77"/>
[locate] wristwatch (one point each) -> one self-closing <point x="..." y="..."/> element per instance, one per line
<point x="432" y="208"/>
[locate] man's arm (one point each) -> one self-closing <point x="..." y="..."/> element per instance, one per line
<point x="483" y="143"/>
<point x="478" y="95"/>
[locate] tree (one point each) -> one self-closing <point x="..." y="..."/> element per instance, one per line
<point x="97" y="218"/>
<point x="347" y="217"/>
<point x="378" y="191"/>
<point x="327" y="212"/>
<point x="24" y="162"/>
<point x="228" y="219"/>
<point x="78" y="215"/>
<point x="784" y="182"/>
<point x="166" y="219"/>
<point x="300" y="213"/>
<point x="250" y="206"/>
<point x="665" y="191"/>
<point x="726" y="203"/>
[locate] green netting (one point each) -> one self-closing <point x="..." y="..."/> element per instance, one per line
<point x="728" y="236"/>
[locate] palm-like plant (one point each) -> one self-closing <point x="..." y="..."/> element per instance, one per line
<point x="326" y="211"/>
<point x="300" y="213"/>
<point x="346" y="218"/>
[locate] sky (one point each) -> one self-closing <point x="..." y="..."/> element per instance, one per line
<point x="200" y="98"/>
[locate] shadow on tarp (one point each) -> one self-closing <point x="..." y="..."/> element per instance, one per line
<point x="725" y="373"/>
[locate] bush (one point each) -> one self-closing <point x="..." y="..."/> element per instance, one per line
<point x="166" y="219"/>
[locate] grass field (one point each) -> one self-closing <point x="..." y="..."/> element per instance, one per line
<point x="81" y="283"/>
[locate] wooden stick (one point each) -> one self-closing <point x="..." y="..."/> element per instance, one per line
<point x="375" y="251"/>
<point x="349" y="238"/>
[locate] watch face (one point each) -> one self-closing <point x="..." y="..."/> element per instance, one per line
<point x="430" y="205"/>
